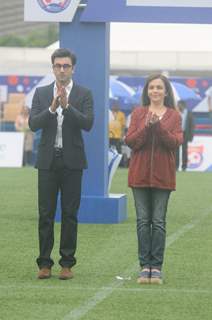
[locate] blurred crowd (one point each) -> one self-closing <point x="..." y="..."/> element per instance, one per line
<point x="118" y="125"/>
<point x="21" y="125"/>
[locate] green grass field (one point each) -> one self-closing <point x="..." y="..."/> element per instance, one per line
<point x="105" y="252"/>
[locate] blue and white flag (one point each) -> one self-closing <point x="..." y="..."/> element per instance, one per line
<point x="114" y="159"/>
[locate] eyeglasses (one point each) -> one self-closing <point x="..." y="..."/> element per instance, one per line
<point x="65" y="66"/>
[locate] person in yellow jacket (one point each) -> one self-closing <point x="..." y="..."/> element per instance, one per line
<point x="117" y="125"/>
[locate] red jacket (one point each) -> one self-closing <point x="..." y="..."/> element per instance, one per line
<point x="152" y="162"/>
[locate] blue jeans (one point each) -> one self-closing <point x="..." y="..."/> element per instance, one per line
<point x="151" y="207"/>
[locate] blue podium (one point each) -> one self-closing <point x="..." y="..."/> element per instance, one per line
<point x="90" y="43"/>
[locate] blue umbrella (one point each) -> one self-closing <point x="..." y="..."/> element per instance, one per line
<point x="182" y="92"/>
<point x="137" y="96"/>
<point x="121" y="92"/>
<point x="119" y="89"/>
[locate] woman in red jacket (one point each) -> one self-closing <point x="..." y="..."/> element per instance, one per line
<point x="154" y="135"/>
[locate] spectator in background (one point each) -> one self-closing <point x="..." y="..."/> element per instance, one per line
<point x="188" y="132"/>
<point x="125" y="149"/>
<point x="117" y="123"/>
<point x="110" y="114"/>
<point x="154" y="135"/>
<point x="21" y="125"/>
<point x="209" y="95"/>
<point x="130" y="115"/>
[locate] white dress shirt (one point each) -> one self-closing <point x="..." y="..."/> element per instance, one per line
<point x="59" y="110"/>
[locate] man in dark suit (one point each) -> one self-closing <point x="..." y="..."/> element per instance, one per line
<point x="62" y="110"/>
<point x="188" y="132"/>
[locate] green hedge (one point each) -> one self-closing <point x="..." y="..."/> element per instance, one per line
<point x="38" y="38"/>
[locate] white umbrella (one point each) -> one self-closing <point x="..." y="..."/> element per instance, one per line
<point x="43" y="82"/>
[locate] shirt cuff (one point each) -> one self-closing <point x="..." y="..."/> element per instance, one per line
<point x="51" y="111"/>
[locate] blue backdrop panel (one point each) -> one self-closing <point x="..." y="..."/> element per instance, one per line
<point x="90" y="42"/>
<point x="118" y="11"/>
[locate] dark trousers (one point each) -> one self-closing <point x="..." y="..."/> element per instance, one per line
<point x="184" y="155"/>
<point x="151" y="207"/>
<point x="115" y="143"/>
<point x="50" y="182"/>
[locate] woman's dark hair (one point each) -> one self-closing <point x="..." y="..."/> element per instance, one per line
<point x="63" y="53"/>
<point x="169" y="100"/>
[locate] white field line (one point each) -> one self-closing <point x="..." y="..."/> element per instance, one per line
<point x="103" y="293"/>
<point x="184" y="229"/>
<point x="115" y="285"/>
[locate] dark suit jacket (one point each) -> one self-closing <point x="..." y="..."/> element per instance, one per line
<point x="78" y="116"/>
<point x="189" y="127"/>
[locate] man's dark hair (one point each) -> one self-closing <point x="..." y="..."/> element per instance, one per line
<point x="63" y="53"/>
<point x="115" y="104"/>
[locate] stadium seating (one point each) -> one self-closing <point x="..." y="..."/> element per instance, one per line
<point x="13" y="107"/>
